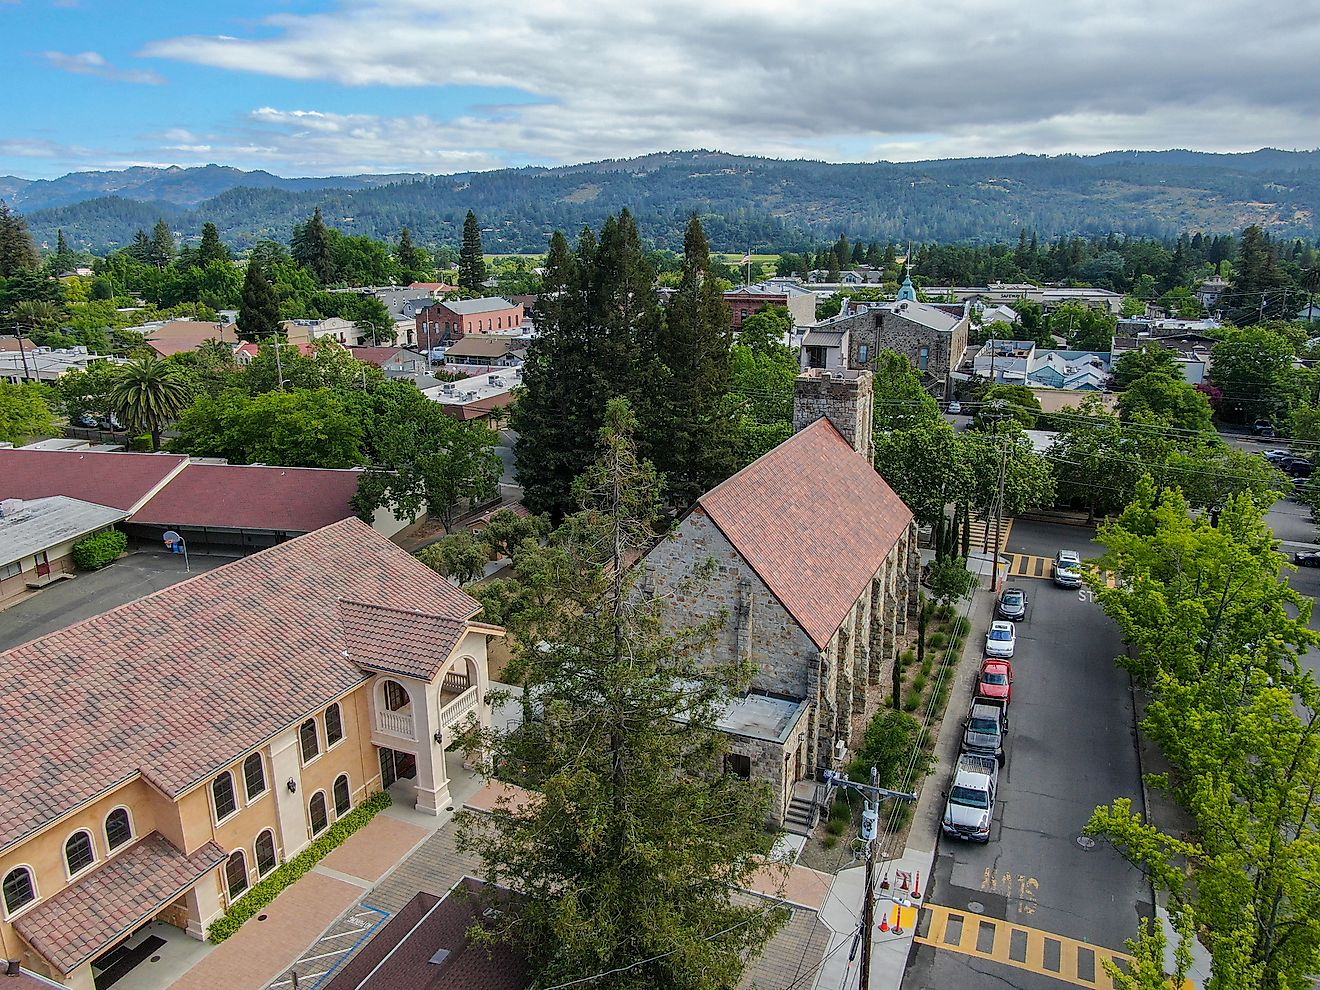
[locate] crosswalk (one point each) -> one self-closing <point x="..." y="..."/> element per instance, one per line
<point x="1020" y="947"/>
<point x="1026" y="565"/>
<point x="981" y="532"/>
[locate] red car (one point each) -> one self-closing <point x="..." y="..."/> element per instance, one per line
<point x="996" y="680"/>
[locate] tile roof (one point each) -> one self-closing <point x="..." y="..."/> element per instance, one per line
<point x="402" y="955"/>
<point x="236" y="496"/>
<point x="182" y="682"/>
<point x="379" y="355"/>
<point x="178" y="336"/>
<point x="114" y="479"/>
<point x="88" y="916"/>
<point x="399" y="640"/>
<point x="814" y="520"/>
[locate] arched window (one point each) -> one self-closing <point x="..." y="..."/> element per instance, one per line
<point x="334" y="725"/>
<point x="118" y="828"/>
<point x="308" y="740"/>
<point x="236" y="874"/>
<point x="20" y="890"/>
<point x="317" y="812"/>
<point x="78" y="852"/>
<point x="396" y="696"/>
<point x="254" y="776"/>
<point x="222" y="790"/>
<point x="343" y="796"/>
<point x="265" y="850"/>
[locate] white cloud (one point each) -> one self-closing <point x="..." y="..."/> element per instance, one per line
<point x="617" y="77"/>
<point x="95" y="64"/>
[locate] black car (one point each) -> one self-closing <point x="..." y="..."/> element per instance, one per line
<point x="1012" y="604"/>
<point x="1262" y="428"/>
<point x="1307" y="558"/>
<point x="1298" y="468"/>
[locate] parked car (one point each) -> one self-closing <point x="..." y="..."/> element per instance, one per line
<point x="1307" y="558"/>
<point x="1067" y="569"/>
<point x="1262" y="428"/>
<point x="87" y="420"/>
<point x="1000" y="640"/>
<point x="955" y="408"/>
<point x="1275" y="456"/>
<point x="995" y="680"/>
<point x="1012" y="604"/>
<point x="1298" y="467"/>
<point x="969" y="807"/>
<point x="985" y="727"/>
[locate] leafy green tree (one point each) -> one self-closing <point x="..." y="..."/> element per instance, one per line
<point x="922" y="463"/>
<point x="424" y="460"/>
<point x="1257" y="280"/>
<point x="1028" y="479"/>
<point x="299" y="428"/>
<point x="162" y="244"/>
<point x="633" y="813"/>
<point x="1253" y="368"/>
<point x="460" y="556"/>
<point x="900" y="399"/>
<point x="692" y="419"/>
<point x="36" y="315"/>
<point x="471" y="258"/>
<point x="148" y="394"/>
<point x="25" y="413"/>
<point x="373" y="317"/>
<point x="259" y="312"/>
<point x="412" y="262"/>
<point x="18" y="252"/>
<point x="1084" y="328"/>
<point x="1167" y="399"/>
<point x="507" y="530"/>
<point x="1002" y="401"/>
<point x="64" y="256"/>
<point x="890" y="739"/>
<point x="313" y="249"/>
<point x="211" y="250"/>
<point x="1146" y="358"/>
<point x="766" y="330"/>
<point x="87" y="392"/>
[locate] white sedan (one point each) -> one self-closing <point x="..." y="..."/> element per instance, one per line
<point x="1000" y="640"/>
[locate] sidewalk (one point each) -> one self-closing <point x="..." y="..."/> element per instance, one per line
<point x="889" y="951"/>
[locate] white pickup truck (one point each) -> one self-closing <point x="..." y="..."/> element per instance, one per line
<point x="970" y="806"/>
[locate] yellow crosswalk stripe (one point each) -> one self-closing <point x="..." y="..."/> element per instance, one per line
<point x="1045" y="953"/>
<point x="1026" y="565"/>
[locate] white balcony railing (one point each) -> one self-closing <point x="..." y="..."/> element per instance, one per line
<point x="458" y="709"/>
<point x="396" y="724"/>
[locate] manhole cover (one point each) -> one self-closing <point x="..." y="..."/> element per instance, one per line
<point x="976" y="907"/>
<point x="1086" y="842"/>
<point x="262" y="917"/>
<point x="450" y="808"/>
<point x="155" y="958"/>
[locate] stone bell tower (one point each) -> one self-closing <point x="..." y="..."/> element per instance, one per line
<point x="846" y="398"/>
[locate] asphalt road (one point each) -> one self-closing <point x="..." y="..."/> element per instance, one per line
<point x="1071" y="747"/>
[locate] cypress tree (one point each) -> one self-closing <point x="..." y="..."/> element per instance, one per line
<point x="842" y="251"/>
<point x="410" y="261"/>
<point x="18" y="252"/>
<point x="162" y="244"/>
<point x="313" y="248"/>
<point x="211" y="249"/>
<point x="259" y="311"/>
<point x="471" y="258"/>
<point x="693" y="433"/>
<point x="140" y="249"/>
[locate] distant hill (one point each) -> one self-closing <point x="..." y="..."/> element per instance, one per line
<point x="746" y="202"/>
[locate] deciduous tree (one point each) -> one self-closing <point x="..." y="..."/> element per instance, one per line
<point x="25" y="413"/>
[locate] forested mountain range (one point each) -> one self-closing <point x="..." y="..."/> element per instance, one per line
<point x="761" y="203"/>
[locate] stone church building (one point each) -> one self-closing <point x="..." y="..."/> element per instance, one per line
<point x="815" y="574"/>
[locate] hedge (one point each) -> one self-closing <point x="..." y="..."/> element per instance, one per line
<point x="267" y="890"/>
<point x="99" y="549"/>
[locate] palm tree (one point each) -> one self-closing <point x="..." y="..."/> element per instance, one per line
<point x="147" y="394"/>
<point x="215" y="351"/>
<point x="36" y="314"/>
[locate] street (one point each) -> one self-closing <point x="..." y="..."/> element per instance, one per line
<point x="1071" y="747"/>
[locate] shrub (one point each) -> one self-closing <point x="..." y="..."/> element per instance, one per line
<point x="926" y="667"/>
<point x="919" y="683"/>
<point x="267" y="890"/>
<point x="840" y="811"/>
<point x="907" y="656"/>
<point x="99" y="549"/>
<point x="962" y="626"/>
<point x="830" y="841"/>
<point x="937" y="640"/>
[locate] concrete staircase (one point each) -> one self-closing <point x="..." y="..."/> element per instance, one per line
<point x="797" y="819"/>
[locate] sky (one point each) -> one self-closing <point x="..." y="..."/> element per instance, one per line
<point x="318" y="87"/>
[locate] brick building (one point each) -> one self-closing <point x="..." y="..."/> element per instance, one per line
<point x="748" y="300"/>
<point x="443" y="322"/>
<point x="815" y="566"/>
<point x="161" y="758"/>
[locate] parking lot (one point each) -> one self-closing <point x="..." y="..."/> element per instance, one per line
<point x="1070" y="747"/>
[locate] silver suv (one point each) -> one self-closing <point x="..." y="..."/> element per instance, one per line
<point x="970" y="805"/>
<point x="1068" y="569"/>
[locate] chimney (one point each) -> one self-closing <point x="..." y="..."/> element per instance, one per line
<point x="843" y="396"/>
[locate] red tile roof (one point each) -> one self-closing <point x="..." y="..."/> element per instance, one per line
<point x="399" y="640"/>
<point x="234" y="496"/>
<point x="115" y="479"/>
<point x="814" y="520"/>
<point x="87" y="917"/>
<point x="181" y="683"/>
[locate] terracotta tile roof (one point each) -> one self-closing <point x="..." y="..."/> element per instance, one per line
<point x="88" y="916"/>
<point x="377" y="355"/>
<point x="401" y="956"/>
<point x="184" y="681"/>
<point x="399" y="640"/>
<point x="814" y="520"/>
<point x="178" y="336"/>
<point x="116" y="479"/>
<point x="235" y="496"/>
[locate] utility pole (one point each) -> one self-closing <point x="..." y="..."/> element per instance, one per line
<point x="870" y="830"/>
<point x="22" y="350"/>
<point x="999" y="513"/>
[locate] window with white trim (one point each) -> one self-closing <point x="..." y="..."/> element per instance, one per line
<point x="79" y="852"/>
<point x="118" y="828"/>
<point x="265" y="850"/>
<point x="20" y="889"/>
<point x="222" y="792"/>
<point x="334" y="725"/>
<point x="308" y="741"/>
<point x="343" y="796"/>
<point x="316" y="811"/>
<point x="236" y="876"/>
<point x="254" y="776"/>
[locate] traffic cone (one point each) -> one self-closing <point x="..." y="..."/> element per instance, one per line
<point x="884" y="882"/>
<point x="916" y="888"/>
<point x="884" y="922"/>
<point x="897" y="926"/>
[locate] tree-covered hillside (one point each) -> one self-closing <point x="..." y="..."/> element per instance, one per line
<point x="767" y="204"/>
